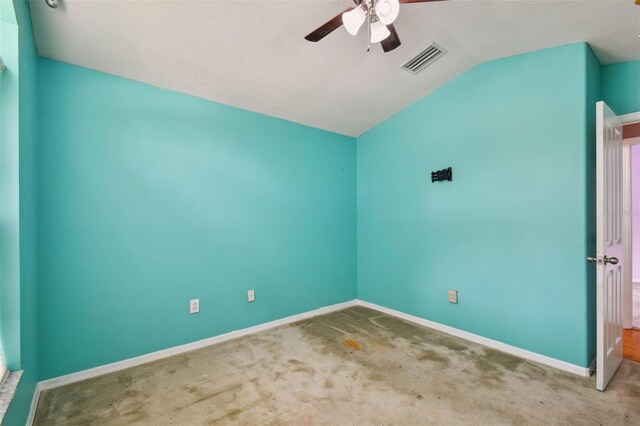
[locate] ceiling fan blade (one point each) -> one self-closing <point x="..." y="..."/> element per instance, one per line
<point x="391" y="42"/>
<point x="418" y="1"/>
<point x="327" y="28"/>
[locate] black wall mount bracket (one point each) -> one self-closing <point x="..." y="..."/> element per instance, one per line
<point x="442" y="175"/>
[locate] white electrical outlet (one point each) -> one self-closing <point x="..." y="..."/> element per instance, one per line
<point x="453" y="296"/>
<point x="194" y="306"/>
<point x="251" y="295"/>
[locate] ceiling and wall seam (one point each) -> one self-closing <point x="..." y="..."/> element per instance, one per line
<point x="231" y="53"/>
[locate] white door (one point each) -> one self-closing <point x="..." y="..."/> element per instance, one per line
<point x="609" y="243"/>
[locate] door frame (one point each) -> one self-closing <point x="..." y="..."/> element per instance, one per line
<point x="627" y="272"/>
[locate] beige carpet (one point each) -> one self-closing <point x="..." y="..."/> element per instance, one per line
<point x="355" y="366"/>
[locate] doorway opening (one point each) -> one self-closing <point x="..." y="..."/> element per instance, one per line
<point x="635" y="233"/>
<point x="631" y="182"/>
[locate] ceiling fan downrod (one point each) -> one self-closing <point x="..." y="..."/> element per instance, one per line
<point x="369" y="33"/>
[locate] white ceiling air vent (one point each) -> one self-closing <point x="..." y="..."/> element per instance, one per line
<point x="423" y="59"/>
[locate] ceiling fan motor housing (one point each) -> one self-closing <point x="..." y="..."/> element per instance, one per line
<point x="380" y="15"/>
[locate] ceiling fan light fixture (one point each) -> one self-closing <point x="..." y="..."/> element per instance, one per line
<point x="354" y="19"/>
<point x="387" y="10"/>
<point x="379" y="32"/>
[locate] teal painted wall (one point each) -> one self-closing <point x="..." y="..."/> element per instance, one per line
<point x="18" y="262"/>
<point x="509" y="233"/>
<point x="9" y="189"/>
<point x="25" y="193"/>
<point x="150" y="198"/>
<point x="621" y="87"/>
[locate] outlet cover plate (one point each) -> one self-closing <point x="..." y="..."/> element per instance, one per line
<point x="194" y="306"/>
<point x="251" y="295"/>
<point x="453" y="296"/>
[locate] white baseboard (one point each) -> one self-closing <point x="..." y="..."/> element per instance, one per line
<point x="143" y="359"/>
<point x="34" y="404"/>
<point x="153" y="356"/>
<point x="592" y="366"/>
<point x="494" y="344"/>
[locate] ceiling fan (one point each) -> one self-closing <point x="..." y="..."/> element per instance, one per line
<point x="380" y="15"/>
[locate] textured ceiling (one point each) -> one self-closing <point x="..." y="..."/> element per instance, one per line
<point x="252" y="54"/>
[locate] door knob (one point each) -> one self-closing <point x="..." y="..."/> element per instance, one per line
<point x="611" y="260"/>
<point x="603" y="260"/>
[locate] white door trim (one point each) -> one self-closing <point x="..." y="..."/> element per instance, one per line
<point x="630" y="118"/>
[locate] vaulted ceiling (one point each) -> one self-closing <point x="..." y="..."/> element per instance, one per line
<point x="253" y="55"/>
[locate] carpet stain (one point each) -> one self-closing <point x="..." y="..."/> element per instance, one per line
<point x="354" y="344"/>
<point x="505" y="360"/>
<point x="431" y="355"/>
